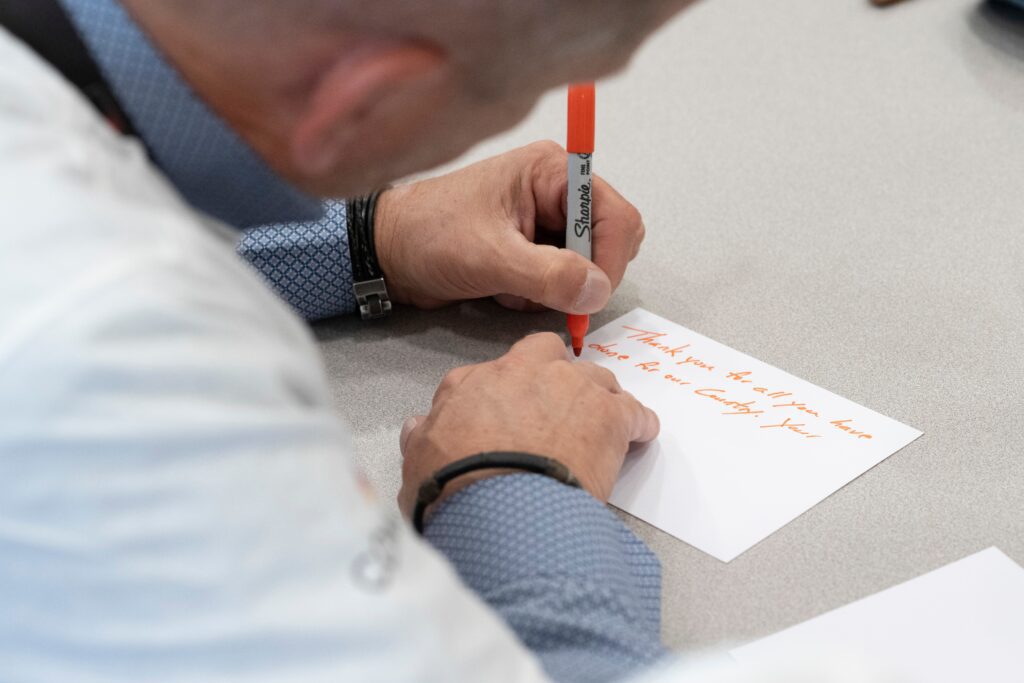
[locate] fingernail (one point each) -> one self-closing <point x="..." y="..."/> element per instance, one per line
<point x="594" y="294"/>
<point x="656" y="421"/>
<point x="407" y="429"/>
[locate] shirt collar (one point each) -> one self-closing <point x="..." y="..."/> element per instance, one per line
<point x="207" y="161"/>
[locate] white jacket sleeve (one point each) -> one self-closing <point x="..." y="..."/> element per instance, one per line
<point x="178" y="502"/>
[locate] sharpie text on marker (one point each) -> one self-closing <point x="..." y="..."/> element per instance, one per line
<point x="580" y="191"/>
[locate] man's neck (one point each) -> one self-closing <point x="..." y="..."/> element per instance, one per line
<point x="239" y="91"/>
<point x="189" y="134"/>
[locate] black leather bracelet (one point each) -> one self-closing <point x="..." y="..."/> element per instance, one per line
<point x="368" y="278"/>
<point x="432" y="488"/>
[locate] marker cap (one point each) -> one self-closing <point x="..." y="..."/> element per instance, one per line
<point x="581" y="119"/>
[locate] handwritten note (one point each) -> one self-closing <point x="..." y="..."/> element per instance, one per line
<point x="745" y="447"/>
<point x="963" y="622"/>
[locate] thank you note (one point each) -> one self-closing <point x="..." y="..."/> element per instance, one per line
<point x="745" y="447"/>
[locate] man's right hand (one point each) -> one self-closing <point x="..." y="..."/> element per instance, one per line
<point x="488" y="230"/>
<point x="533" y="400"/>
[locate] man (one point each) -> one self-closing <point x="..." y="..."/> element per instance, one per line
<point x="177" y="498"/>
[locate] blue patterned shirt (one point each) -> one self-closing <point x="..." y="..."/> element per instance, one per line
<point x="577" y="587"/>
<point x="308" y="264"/>
<point x="298" y="243"/>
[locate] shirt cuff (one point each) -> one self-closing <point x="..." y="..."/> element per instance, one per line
<point x="575" y="584"/>
<point x="308" y="264"/>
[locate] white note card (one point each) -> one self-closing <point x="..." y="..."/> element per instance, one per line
<point x="963" y="622"/>
<point x="744" y="448"/>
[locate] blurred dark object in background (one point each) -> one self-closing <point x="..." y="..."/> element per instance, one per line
<point x="1019" y="4"/>
<point x="1012" y="3"/>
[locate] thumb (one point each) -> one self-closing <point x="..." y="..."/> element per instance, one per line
<point x="408" y="427"/>
<point x="556" y="278"/>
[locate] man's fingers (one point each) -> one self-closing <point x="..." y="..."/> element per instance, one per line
<point x="643" y="423"/>
<point x="555" y="278"/>
<point x="540" y="347"/>
<point x="453" y="379"/>
<point x="408" y="427"/>
<point x="518" y="303"/>
<point x="618" y="228"/>
<point x="618" y="231"/>
<point x="602" y="377"/>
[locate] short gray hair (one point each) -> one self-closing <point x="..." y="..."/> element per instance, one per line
<point x="512" y="32"/>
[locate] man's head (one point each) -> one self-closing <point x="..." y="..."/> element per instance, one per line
<point x="343" y="95"/>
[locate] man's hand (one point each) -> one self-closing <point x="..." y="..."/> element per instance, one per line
<point x="532" y="400"/>
<point x="487" y="230"/>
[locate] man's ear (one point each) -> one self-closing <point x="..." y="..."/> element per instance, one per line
<point x="367" y="102"/>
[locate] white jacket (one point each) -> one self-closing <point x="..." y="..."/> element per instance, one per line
<point x="178" y="500"/>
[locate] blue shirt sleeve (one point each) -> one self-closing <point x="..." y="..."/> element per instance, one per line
<point x="576" y="586"/>
<point x="308" y="264"/>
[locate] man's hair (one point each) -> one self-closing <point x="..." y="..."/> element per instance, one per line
<point x="512" y="34"/>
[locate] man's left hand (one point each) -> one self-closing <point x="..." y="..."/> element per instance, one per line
<point x="489" y="230"/>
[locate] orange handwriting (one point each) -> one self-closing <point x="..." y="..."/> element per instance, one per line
<point x="773" y="394"/>
<point x="651" y="339"/>
<point x="739" y="408"/>
<point x="741" y="377"/>
<point x="609" y="350"/>
<point x="799" y="406"/>
<point x="690" y="360"/>
<point x="841" y="424"/>
<point x="730" y="405"/>
<point x="793" y="427"/>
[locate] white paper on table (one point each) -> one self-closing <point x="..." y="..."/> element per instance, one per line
<point x="737" y="458"/>
<point x="961" y="623"/>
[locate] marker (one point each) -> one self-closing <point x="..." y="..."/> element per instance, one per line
<point x="580" y="203"/>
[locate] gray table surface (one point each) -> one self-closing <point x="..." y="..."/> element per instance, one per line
<point x="837" y="190"/>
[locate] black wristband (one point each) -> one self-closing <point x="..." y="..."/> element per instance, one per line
<point x="362" y="213"/>
<point x="431" y="489"/>
<point x="367" y="276"/>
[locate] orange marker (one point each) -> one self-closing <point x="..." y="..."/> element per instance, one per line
<point x="580" y="203"/>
